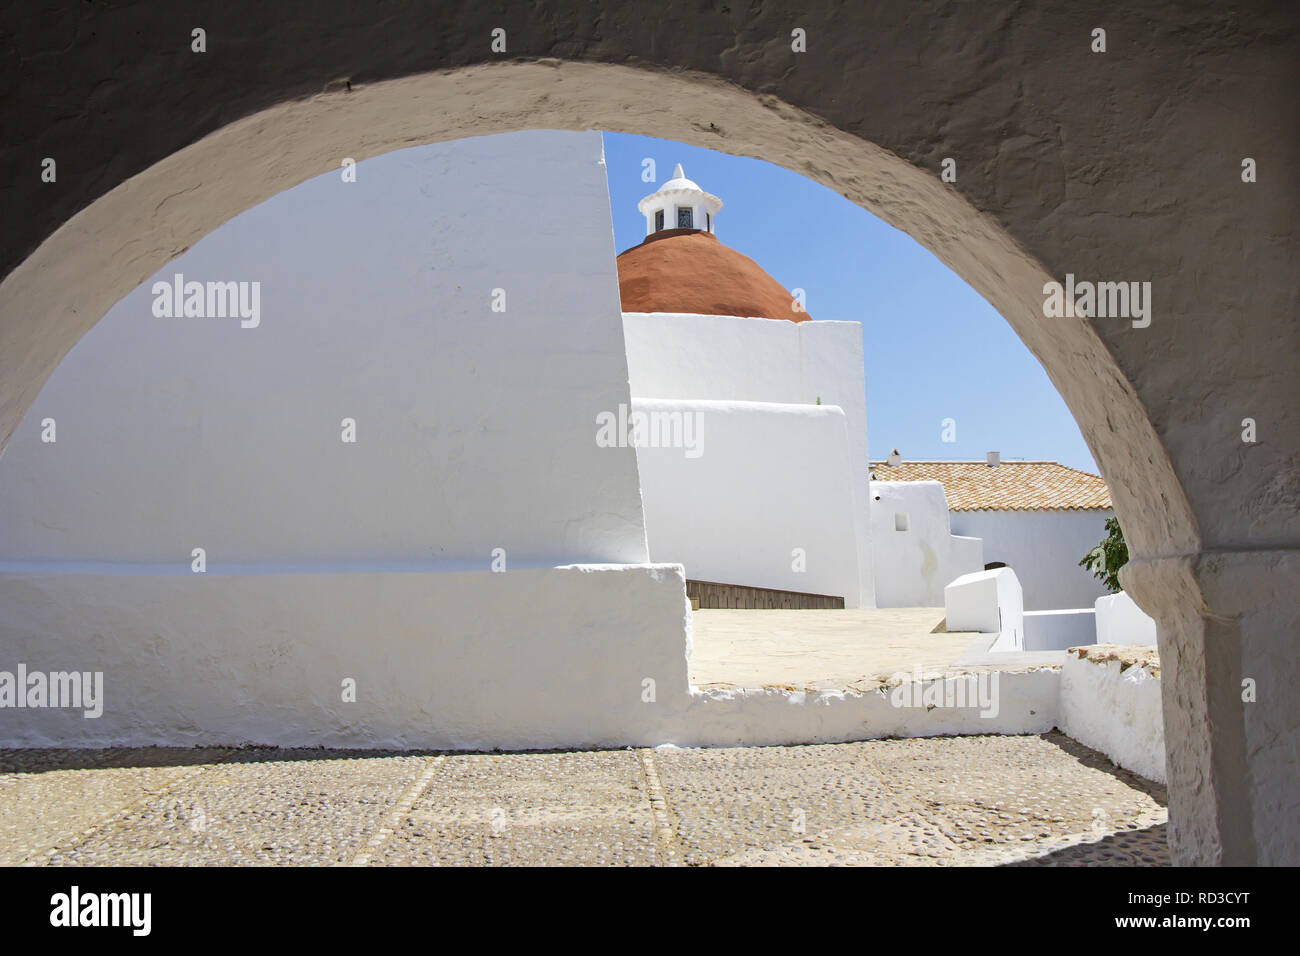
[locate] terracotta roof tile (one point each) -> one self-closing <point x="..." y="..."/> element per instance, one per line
<point x="1009" y="486"/>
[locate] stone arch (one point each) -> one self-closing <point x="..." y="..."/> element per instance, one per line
<point x="1221" y="803"/>
<point x="128" y="234"/>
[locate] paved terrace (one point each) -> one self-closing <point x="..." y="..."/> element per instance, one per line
<point x="1042" y="800"/>
<point x="825" y="649"/>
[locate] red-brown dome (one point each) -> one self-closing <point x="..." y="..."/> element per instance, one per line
<point x="689" y="270"/>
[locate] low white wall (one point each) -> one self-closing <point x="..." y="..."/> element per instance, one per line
<point x="1120" y="621"/>
<point x="528" y="659"/>
<point x="1115" y="712"/>
<point x="1057" y="630"/>
<point x="1017" y="702"/>
<point x="533" y="658"/>
<point x="761" y="360"/>
<point x="913" y="566"/>
<point x="989" y="602"/>
<point x="767" y="501"/>
<point x="1044" y="549"/>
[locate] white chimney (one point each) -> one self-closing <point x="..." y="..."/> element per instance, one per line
<point x="994" y="458"/>
<point x="894" y="459"/>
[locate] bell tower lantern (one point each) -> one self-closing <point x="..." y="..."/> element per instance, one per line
<point x="679" y="204"/>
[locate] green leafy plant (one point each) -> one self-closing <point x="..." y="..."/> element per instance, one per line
<point x="1105" y="560"/>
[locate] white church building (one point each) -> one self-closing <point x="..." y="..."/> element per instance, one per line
<point x="775" y="497"/>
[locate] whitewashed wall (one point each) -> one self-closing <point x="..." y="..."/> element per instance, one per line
<point x="1044" y="549"/>
<point x="531" y="658"/>
<point x="769" y="479"/>
<point x="913" y="566"/>
<point x="1115" y="711"/>
<point x="761" y="360"/>
<point x="1121" y="621"/>
<point x="475" y="428"/>
<point x="457" y="660"/>
<point x="990" y="602"/>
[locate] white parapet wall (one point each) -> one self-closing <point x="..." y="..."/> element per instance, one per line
<point x="1121" y="621"/>
<point x="991" y="702"/>
<point x="989" y="602"/>
<point x="582" y="656"/>
<point x="532" y="658"/>
<point x="914" y="553"/>
<point x="757" y="494"/>
<point x="1116" y="710"/>
<point x="734" y="358"/>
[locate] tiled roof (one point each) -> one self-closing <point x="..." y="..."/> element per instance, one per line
<point x="1009" y="486"/>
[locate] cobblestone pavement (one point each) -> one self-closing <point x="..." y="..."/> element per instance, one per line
<point x="1039" y="800"/>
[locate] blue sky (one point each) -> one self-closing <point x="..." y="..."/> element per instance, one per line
<point x="933" y="348"/>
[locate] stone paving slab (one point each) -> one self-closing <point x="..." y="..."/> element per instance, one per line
<point x="926" y="801"/>
<point x="583" y="808"/>
<point x="1040" y="800"/>
<point x="49" y="796"/>
<point x="255" y="807"/>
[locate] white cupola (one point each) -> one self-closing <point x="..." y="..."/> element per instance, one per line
<point x="679" y="204"/>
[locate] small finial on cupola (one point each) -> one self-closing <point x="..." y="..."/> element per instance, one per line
<point x="679" y="204"/>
